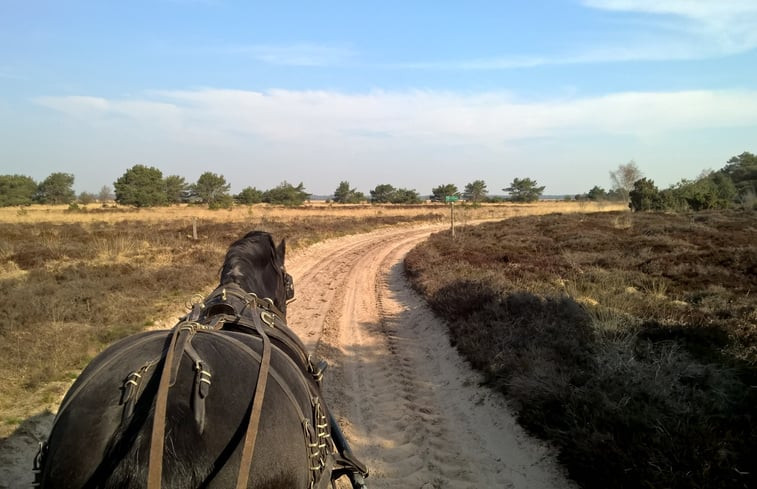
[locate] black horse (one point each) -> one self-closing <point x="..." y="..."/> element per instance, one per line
<point x="227" y="398"/>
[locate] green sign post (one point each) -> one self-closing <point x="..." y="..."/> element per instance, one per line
<point x="451" y="199"/>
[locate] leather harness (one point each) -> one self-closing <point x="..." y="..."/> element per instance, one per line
<point x="223" y="310"/>
<point x="213" y="315"/>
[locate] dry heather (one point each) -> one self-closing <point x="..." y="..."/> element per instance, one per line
<point x="72" y="282"/>
<point x="628" y="340"/>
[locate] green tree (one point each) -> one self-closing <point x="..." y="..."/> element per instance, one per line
<point x="623" y="178"/>
<point x="17" y="190"/>
<point x="141" y="186"/>
<point x="249" y="196"/>
<point x="475" y="191"/>
<point x="438" y="194"/>
<point x="645" y="196"/>
<point x="346" y="195"/>
<point x="57" y="189"/>
<point x="383" y="194"/>
<point x="596" y="193"/>
<point x="710" y="191"/>
<point x="742" y="170"/>
<point x="406" y="196"/>
<point x="286" y="194"/>
<point x="177" y="189"/>
<point x="524" y="190"/>
<point x="211" y="188"/>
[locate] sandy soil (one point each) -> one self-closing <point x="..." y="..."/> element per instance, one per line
<point x="412" y="409"/>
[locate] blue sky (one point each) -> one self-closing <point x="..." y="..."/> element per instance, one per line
<point x="411" y="93"/>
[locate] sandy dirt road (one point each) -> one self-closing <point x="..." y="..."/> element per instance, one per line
<point x="411" y="408"/>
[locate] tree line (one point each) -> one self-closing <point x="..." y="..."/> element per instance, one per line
<point x="733" y="185"/>
<point x="145" y="186"/>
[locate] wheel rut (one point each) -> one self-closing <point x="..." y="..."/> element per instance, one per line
<point x="413" y="411"/>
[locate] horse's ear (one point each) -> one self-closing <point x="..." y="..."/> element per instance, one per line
<point x="281" y="250"/>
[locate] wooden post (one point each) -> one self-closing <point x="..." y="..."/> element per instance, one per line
<point x="452" y="218"/>
<point x="194" y="229"/>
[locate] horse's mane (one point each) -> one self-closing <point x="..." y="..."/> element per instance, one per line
<point x="249" y="253"/>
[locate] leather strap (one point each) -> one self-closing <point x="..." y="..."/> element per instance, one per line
<point x="248" y="449"/>
<point x="155" y="463"/>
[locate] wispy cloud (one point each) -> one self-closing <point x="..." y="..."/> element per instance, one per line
<point x="296" y="54"/>
<point x="666" y="30"/>
<point x="710" y="28"/>
<point x="422" y="117"/>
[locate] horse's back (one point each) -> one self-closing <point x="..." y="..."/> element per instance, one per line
<point x="101" y="437"/>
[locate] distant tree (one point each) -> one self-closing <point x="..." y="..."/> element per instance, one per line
<point x="382" y="194"/>
<point x="86" y="198"/>
<point x="406" y="196"/>
<point x="17" y="190"/>
<point x="710" y="191"/>
<point x="624" y="177"/>
<point x="645" y="196"/>
<point x="57" y="189"/>
<point x="438" y="194"/>
<point x="177" y="189"/>
<point x="524" y="190"/>
<point x="346" y="195"/>
<point x="617" y="195"/>
<point x="286" y="194"/>
<point x="141" y="186"/>
<point x="742" y="170"/>
<point x="596" y="193"/>
<point x="105" y="194"/>
<point x="249" y="196"/>
<point x="211" y="188"/>
<point x="475" y="191"/>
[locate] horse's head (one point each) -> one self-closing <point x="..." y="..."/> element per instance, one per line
<point x="256" y="264"/>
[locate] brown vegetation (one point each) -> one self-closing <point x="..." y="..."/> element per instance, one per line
<point x="73" y="281"/>
<point x="629" y="341"/>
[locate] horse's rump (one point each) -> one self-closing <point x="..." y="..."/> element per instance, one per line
<point x="101" y="437"/>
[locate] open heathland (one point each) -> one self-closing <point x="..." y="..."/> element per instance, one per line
<point x="627" y="340"/>
<point x="74" y="280"/>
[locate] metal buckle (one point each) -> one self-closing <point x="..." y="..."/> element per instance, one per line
<point x="268" y="318"/>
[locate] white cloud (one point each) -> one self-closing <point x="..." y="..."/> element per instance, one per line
<point x="100" y="111"/>
<point x="693" y="28"/>
<point x="321" y="118"/>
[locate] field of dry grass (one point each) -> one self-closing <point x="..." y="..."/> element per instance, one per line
<point x="73" y="282"/>
<point x="628" y="340"/>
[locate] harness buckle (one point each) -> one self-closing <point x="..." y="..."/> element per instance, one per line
<point x="268" y="318"/>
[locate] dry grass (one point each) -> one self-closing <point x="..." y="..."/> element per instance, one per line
<point x="113" y="213"/>
<point x="73" y="282"/>
<point x="630" y="341"/>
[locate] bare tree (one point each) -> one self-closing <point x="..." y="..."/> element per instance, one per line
<point x="624" y="177"/>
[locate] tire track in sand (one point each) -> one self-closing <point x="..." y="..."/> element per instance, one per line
<point x="411" y="408"/>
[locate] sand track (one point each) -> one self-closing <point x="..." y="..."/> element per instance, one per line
<point x="412" y="409"/>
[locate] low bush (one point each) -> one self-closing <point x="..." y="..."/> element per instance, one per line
<point x="613" y="342"/>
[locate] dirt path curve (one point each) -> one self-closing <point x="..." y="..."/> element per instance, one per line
<point x="411" y="408"/>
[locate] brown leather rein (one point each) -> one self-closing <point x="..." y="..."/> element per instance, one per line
<point x="267" y="315"/>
